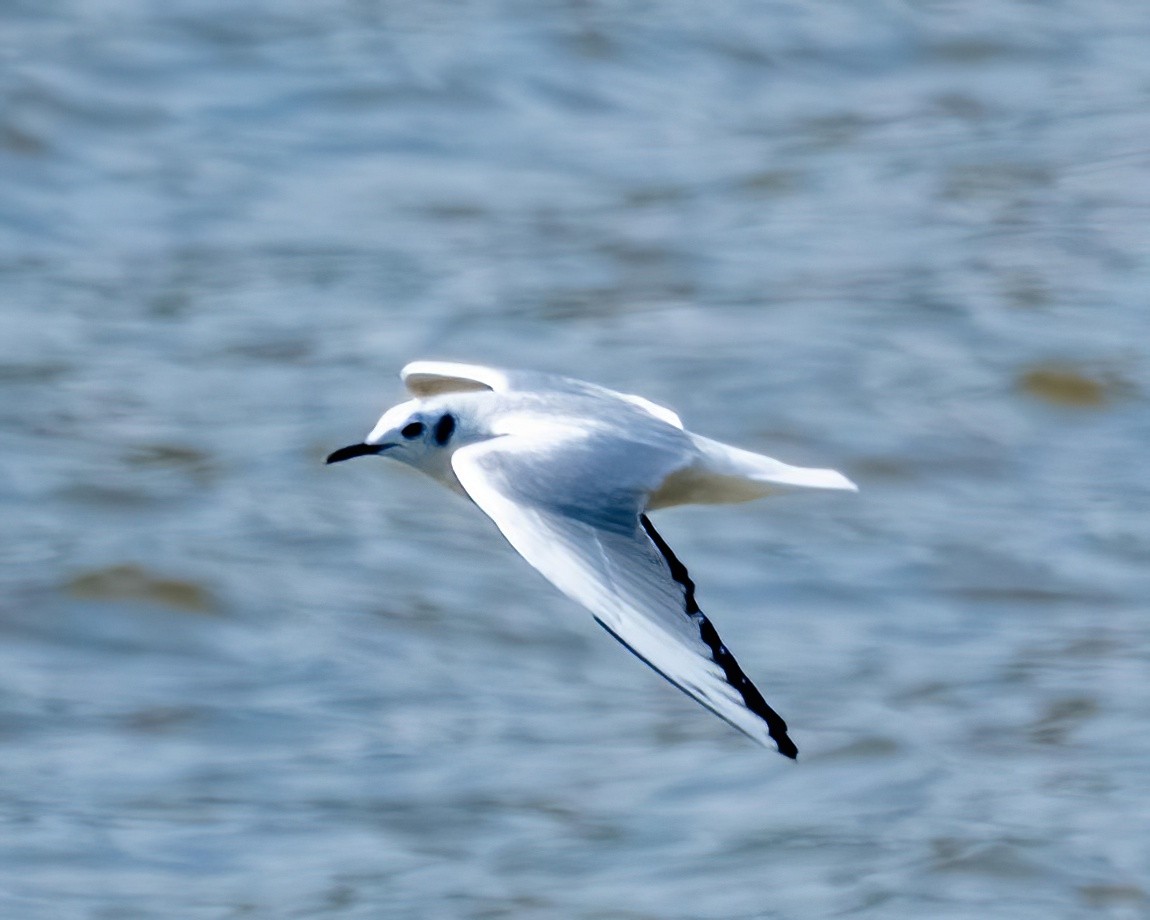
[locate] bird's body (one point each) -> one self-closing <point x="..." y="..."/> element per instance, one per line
<point x="568" y="471"/>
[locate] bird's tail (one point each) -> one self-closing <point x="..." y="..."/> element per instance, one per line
<point x="723" y="474"/>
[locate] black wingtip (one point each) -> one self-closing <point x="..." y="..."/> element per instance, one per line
<point x="720" y="654"/>
<point x="786" y="746"/>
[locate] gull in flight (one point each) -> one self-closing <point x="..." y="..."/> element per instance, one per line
<point x="568" y="471"/>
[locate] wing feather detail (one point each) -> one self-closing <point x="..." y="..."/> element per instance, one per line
<point x="431" y="378"/>
<point x="609" y="558"/>
<point x="720" y="654"/>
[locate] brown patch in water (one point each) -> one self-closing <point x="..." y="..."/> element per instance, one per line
<point x="1113" y="895"/>
<point x="130" y="582"/>
<point x="1066" y="386"/>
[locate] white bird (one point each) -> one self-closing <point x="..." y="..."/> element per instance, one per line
<point x="568" y="470"/>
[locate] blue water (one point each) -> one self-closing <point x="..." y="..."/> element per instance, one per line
<point x="908" y="241"/>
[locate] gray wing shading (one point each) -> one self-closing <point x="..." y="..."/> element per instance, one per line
<point x="566" y="509"/>
<point x="430" y="378"/>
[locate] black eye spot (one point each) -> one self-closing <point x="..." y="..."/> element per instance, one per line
<point x="412" y="430"/>
<point x="444" y="429"/>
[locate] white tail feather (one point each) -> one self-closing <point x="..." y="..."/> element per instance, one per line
<point x="723" y="474"/>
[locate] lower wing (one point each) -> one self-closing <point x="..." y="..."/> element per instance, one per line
<point x="613" y="561"/>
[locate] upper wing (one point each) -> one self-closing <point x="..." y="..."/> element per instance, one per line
<point x="577" y="521"/>
<point x="429" y="378"/>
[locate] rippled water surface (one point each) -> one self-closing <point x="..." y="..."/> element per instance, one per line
<point x="908" y="240"/>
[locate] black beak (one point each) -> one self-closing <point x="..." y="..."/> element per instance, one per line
<point x="356" y="450"/>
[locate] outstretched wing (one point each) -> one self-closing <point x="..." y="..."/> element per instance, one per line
<point x="430" y="378"/>
<point x="574" y="512"/>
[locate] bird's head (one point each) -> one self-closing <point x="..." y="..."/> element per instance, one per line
<point x="419" y="432"/>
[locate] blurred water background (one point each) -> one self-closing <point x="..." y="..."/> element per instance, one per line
<point x="905" y="239"/>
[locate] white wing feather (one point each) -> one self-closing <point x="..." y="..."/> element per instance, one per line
<point x="430" y="378"/>
<point x="593" y="544"/>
